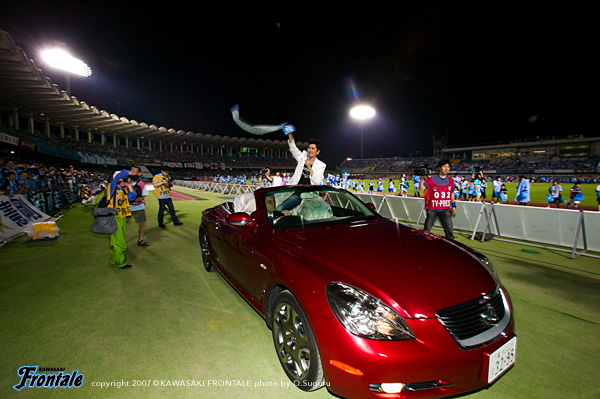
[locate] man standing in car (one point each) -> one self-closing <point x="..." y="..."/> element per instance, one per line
<point x="309" y="169"/>
<point x="439" y="202"/>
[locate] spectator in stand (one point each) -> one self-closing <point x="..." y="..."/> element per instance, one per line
<point x="10" y="185"/>
<point x="85" y="193"/>
<point x="23" y="184"/>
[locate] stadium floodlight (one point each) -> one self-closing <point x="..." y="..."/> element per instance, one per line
<point x="362" y="112"/>
<point x="60" y="59"/>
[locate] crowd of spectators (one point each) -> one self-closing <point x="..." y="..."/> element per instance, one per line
<point x="31" y="178"/>
<point x="508" y="165"/>
<point x="143" y="154"/>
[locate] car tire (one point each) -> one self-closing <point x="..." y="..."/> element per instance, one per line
<point x="205" y="248"/>
<point x="295" y="343"/>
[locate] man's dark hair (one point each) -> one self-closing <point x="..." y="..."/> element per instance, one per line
<point x="316" y="142"/>
<point x="137" y="168"/>
<point x="443" y="162"/>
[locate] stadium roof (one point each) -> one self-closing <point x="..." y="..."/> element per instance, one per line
<point x="24" y="87"/>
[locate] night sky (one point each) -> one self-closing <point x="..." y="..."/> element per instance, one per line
<point x="477" y="73"/>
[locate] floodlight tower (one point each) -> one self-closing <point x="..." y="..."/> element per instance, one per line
<point x="60" y="59"/>
<point x="362" y="112"/>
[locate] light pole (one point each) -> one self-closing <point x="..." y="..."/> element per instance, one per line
<point x="64" y="61"/>
<point x="362" y="112"/>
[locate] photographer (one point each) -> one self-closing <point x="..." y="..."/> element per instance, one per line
<point x="439" y="202"/>
<point x="265" y="179"/>
<point x="138" y="206"/>
<point x="162" y="189"/>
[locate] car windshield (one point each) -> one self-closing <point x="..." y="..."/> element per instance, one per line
<point x="298" y="207"/>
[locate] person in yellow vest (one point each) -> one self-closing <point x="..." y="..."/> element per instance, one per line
<point x="162" y="189"/>
<point x="118" y="193"/>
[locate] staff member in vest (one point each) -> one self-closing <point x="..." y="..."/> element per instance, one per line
<point x="119" y="192"/>
<point x="138" y="206"/>
<point x="162" y="189"/>
<point x="439" y="202"/>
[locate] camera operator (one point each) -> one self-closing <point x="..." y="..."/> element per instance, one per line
<point x="162" y="188"/>
<point x="439" y="201"/>
<point x="265" y="179"/>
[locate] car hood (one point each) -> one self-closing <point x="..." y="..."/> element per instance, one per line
<point x="415" y="272"/>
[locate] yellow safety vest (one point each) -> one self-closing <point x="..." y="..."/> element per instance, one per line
<point x="121" y="202"/>
<point x="162" y="191"/>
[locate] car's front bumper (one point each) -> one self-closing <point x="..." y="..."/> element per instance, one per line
<point x="433" y="364"/>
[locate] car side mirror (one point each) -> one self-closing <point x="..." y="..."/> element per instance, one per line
<point x="239" y="219"/>
<point x="371" y="206"/>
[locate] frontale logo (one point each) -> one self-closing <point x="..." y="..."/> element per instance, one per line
<point x="489" y="316"/>
<point x="31" y="379"/>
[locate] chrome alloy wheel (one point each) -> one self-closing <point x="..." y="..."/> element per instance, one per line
<point x="295" y="344"/>
<point x="291" y="342"/>
<point x="208" y="265"/>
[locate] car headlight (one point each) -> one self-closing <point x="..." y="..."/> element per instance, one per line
<point x="366" y="316"/>
<point x="486" y="263"/>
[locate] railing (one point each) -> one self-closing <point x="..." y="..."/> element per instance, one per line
<point x="576" y="231"/>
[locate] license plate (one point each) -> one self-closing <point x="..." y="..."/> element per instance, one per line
<point x="502" y="359"/>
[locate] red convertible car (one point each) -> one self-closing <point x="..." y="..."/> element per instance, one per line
<point x="360" y="304"/>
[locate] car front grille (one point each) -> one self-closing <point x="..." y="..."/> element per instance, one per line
<point x="478" y="321"/>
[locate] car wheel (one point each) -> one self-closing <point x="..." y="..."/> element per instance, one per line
<point x="295" y="343"/>
<point x="208" y="265"/>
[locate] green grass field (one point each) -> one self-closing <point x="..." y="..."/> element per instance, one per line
<point x="166" y="319"/>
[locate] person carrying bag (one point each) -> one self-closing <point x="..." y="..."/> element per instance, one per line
<point x="105" y="222"/>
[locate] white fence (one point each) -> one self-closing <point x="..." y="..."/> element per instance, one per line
<point x="576" y="230"/>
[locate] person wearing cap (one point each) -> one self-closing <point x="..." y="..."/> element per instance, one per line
<point x="118" y="193"/>
<point x="162" y="189"/>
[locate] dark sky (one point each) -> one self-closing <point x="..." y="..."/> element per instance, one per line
<point x="477" y="72"/>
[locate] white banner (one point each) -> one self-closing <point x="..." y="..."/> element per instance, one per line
<point x="16" y="214"/>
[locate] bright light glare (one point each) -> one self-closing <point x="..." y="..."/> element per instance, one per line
<point x="362" y="112"/>
<point x="392" y="387"/>
<point x="62" y="60"/>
